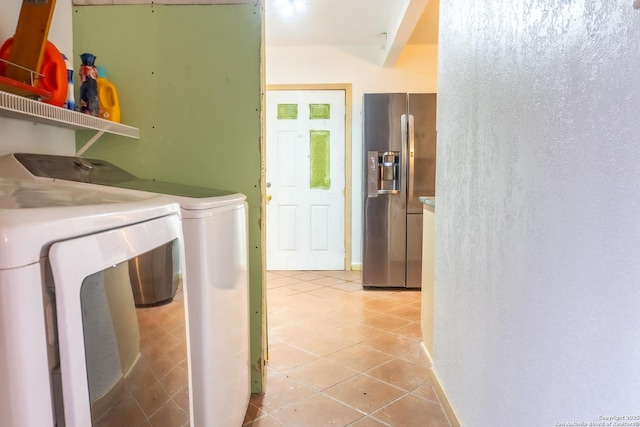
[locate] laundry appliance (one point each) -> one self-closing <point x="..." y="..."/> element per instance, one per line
<point x="69" y="336"/>
<point x="215" y="234"/>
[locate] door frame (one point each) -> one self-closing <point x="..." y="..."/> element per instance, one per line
<point x="346" y="87"/>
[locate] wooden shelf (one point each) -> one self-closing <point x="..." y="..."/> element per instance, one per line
<point x="18" y="107"/>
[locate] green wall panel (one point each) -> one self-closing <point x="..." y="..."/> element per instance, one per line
<point x="189" y="78"/>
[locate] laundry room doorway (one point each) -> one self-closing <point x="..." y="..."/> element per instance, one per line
<point x="308" y="158"/>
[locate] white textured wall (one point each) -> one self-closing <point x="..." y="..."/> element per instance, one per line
<point x="415" y="71"/>
<point x="537" y="268"/>
<point x="16" y="135"/>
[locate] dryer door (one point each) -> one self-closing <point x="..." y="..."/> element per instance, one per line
<point x="86" y="274"/>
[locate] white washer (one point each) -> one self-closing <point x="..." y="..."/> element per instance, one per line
<point x="52" y="238"/>
<point x="215" y="237"/>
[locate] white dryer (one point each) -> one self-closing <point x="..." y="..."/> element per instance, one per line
<point x="62" y="252"/>
<point x="215" y="231"/>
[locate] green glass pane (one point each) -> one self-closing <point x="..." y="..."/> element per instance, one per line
<point x="319" y="111"/>
<point x="287" y="111"/>
<point x="319" y="156"/>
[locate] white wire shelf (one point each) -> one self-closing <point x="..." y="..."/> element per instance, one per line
<point x="19" y="107"/>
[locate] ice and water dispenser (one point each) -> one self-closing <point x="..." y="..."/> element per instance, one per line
<point x="383" y="175"/>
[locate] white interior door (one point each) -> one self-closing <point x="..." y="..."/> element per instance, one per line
<point x="305" y="179"/>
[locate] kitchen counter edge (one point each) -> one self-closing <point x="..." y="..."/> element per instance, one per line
<point x="431" y="201"/>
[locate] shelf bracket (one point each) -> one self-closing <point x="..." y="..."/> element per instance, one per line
<point x="90" y="143"/>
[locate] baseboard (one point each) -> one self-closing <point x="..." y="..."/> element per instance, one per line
<point x="356" y="267"/>
<point x="447" y="407"/>
<point x="426" y="353"/>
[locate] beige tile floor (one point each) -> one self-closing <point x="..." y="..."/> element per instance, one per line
<point x="343" y="356"/>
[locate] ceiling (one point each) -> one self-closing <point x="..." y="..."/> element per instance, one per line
<point x="387" y="25"/>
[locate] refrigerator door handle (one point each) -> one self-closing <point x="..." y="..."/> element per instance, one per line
<point x="403" y="157"/>
<point x="411" y="177"/>
<point x="403" y="130"/>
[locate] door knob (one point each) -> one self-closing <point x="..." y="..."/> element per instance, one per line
<point x="269" y="198"/>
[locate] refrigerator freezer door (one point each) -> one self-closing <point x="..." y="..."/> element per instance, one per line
<point x="385" y="224"/>
<point x="422" y="150"/>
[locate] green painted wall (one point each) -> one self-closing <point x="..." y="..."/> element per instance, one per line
<point x="189" y="78"/>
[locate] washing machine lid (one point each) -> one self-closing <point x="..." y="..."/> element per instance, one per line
<point x="34" y="214"/>
<point x="100" y="172"/>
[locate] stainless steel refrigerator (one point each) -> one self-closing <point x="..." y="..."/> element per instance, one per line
<point x="399" y="167"/>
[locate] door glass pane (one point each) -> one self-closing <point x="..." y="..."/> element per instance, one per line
<point x="319" y="159"/>
<point x="319" y="111"/>
<point x="287" y="111"/>
<point x="135" y="348"/>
